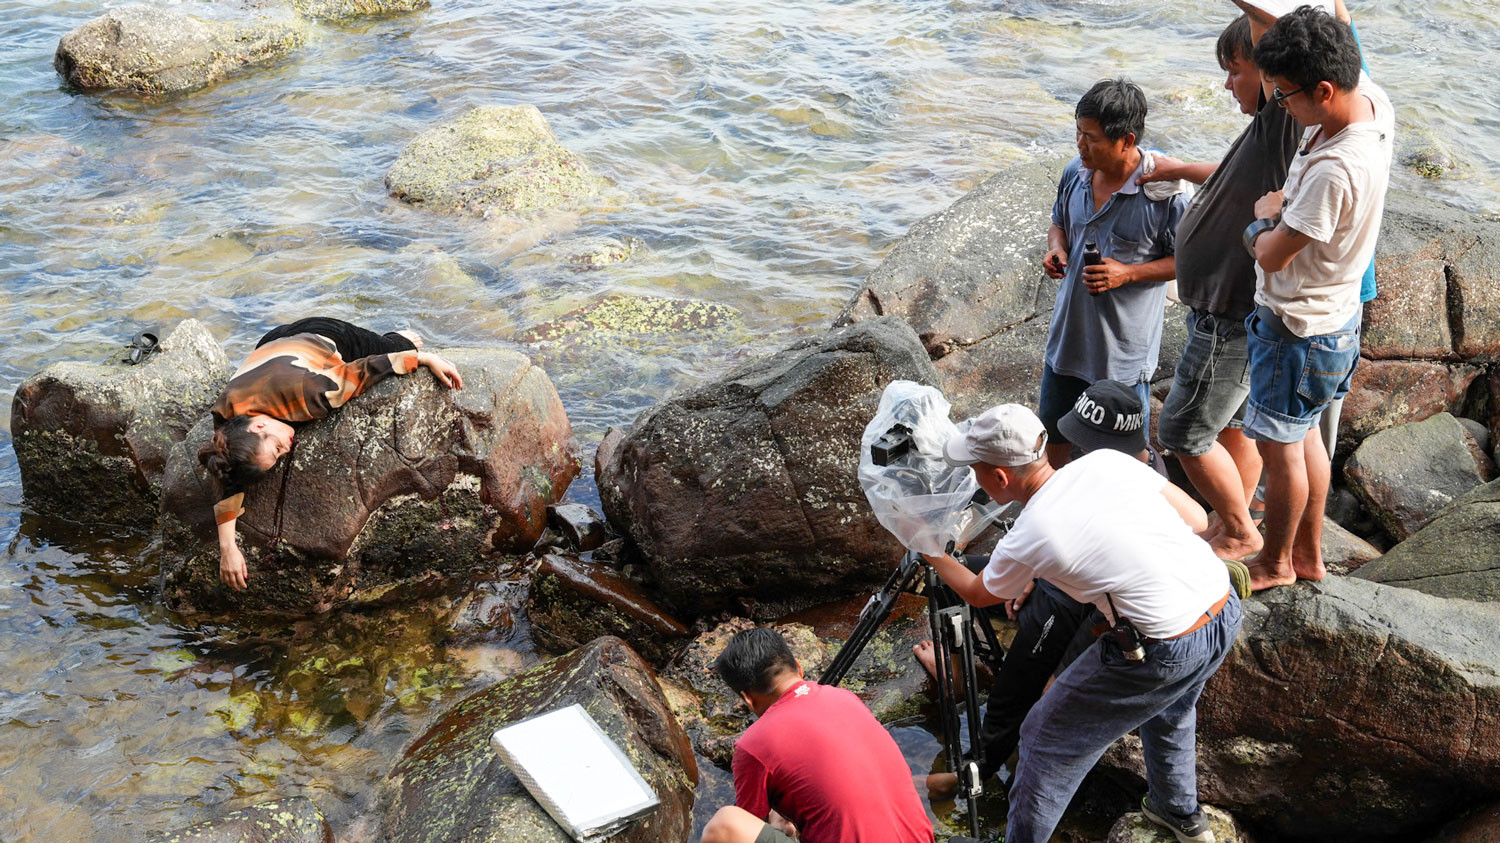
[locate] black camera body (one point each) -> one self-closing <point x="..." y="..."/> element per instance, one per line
<point x="891" y="446"/>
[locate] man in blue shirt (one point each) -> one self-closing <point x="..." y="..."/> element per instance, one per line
<point x="1106" y="323"/>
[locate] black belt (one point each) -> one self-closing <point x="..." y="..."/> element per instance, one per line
<point x="1269" y="318"/>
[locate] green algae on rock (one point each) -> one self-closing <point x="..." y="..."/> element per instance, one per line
<point x="605" y="320"/>
<point x="493" y="161"/>
<point x="92" y="439"/>
<point x="339" y="11"/>
<point x="573" y="601"/>
<point x="150" y="50"/>
<point x="295" y="820"/>
<point x="450" y="784"/>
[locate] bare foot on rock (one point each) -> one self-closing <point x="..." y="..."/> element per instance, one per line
<point x="1265" y="573"/>
<point x="1228" y="546"/>
<point x="1308" y="568"/>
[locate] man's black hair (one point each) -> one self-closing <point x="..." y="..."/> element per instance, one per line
<point x="1310" y="46"/>
<point x="1118" y="105"/>
<point x="753" y="659"/>
<point x="1235" y="42"/>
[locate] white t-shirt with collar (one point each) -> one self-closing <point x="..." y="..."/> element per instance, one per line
<point x="1335" y="194"/>
<point x="1101" y="525"/>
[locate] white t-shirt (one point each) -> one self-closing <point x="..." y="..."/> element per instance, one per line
<point x="1102" y="525"/>
<point x="1335" y="194"/>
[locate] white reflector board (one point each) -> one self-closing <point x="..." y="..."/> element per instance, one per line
<point x="575" y="771"/>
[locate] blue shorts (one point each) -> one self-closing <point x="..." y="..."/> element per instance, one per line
<point x="1292" y="381"/>
<point x="1060" y="393"/>
<point x="1208" y="387"/>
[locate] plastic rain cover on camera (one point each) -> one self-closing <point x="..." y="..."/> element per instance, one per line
<point x="576" y="772"/>
<point x="919" y="498"/>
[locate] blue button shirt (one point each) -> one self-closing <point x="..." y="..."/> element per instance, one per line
<point x="1116" y="334"/>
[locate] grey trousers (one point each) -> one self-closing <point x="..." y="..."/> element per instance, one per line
<point x="1098" y="700"/>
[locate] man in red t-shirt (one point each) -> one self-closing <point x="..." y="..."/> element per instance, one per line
<point x="814" y="760"/>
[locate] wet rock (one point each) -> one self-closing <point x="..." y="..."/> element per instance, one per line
<point x="1407" y="474"/>
<point x="1439" y="272"/>
<point x="494" y="160"/>
<point x="152" y="50"/>
<point x="1453" y="556"/>
<point x="746" y="487"/>
<point x="92" y="439"/>
<point x="604" y="321"/>
<point x="886" y="675"/>
<point x="1343" y="551"/>
<point x="574" y="601"/>
<point x="1429" y="156"/>
<point x="1380" y="701"/>
<point x="295" y="820"/>
<point x="582" y="527"/>
<point x="1387" y="393"/>
<point x="406" y="490"/>
<point x="1135" y="828"/>
<point x="450" y="785"/>
<point x="338" y="11"/>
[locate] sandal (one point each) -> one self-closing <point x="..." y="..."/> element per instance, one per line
<point x="141" y="347"/>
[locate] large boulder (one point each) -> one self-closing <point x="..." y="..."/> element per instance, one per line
<point x="1387" y="393"/>
<point x="494" y="160"/>
<point x="1350" y="710"/>
<point x="1407" y="474"/>
<point x="886" y="675"/>
<point x="404" y="490"/>
<point x="573" y="601"/>
<point x="1482" y="826"/>
<point x="92" y="439"/>
<point x="450" y="785"/>
<point x="1453" y="556"/>
<point x="295" y="820"/>
<point x="1439" y="273"/>
<point x="154" y="50"/>
<point x="969" y="281"/>
<point x="745" y="488"/>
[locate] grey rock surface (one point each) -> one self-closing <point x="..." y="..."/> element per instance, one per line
<point x="92" y="439"/>
<point x="745" y="488"/>
<point x="1456" y="555"/>
<point x="1407" y="474"/>
<point x="1135" y="828"/>
<point x="295" y="820"/>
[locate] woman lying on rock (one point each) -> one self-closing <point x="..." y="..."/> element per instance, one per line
<point x="297" y="373"/>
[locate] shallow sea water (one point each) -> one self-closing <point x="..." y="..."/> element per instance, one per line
<point x="762" y="157"/>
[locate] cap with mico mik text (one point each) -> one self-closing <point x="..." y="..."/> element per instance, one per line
<point x="1006" y="435"/>
<point x="1107" y="415"/>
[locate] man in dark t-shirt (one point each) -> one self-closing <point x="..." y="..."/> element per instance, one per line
<point x="815" y="761"/>
<point x="1201" y="418"/>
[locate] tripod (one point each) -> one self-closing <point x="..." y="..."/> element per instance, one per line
<point x="952" y="624"/>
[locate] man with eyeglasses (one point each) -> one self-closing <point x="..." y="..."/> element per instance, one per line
<point x="1311" y="241"/>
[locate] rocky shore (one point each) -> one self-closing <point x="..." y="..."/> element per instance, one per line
<point x="1363" y="707"/>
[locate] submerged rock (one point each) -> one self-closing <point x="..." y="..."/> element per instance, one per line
<point x="346" y="10"/>
<point x="603" y="321"/>
<point x="494" y="160"/>
<point x="450" y="784"/>
<point x="152" y="50"/>
<point x="1383" y="703"/>
<point x="745" y="488"/>
<point x="1407" y="474"/>
<point x="573" y="601"/>
<point x="92" y="439"/>
<point x="405" y="490"/>
<point x="295" y="820"/>
<point x="1453" y="556"/>
<point x="886" y="675"/>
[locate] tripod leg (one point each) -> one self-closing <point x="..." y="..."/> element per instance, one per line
<point x="902" y="581"/>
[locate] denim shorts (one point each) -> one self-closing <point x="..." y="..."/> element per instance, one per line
<point x="1209" y="387"/>
<point x="1291" y="382"/>
<point x="1060" y="393"/>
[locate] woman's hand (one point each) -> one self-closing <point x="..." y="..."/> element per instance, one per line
<point x="232" y="567"/>
<point x="442" y="370"/>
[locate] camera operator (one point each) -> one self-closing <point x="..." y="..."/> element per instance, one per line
<point x="815" y="756"/>
<point x="1106" y="530"/>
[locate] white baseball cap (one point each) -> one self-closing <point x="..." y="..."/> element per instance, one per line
<point x="1006" y="435"/>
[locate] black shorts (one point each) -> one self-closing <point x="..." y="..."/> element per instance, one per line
<point x="352" y="341"/>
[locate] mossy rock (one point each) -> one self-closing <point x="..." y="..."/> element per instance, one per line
<point x="295" y="820"/>
<point x="450" y="784"/>
<point x="339" y="11"/>
<point x="609" y="320"/>
<point x="492" y="161"/>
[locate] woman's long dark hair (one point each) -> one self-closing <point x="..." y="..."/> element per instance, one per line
<point x="230" y="456"/>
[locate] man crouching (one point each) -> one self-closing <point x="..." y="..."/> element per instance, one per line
<point x="1108" y="530"/>
<point x="815" y="760"/>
